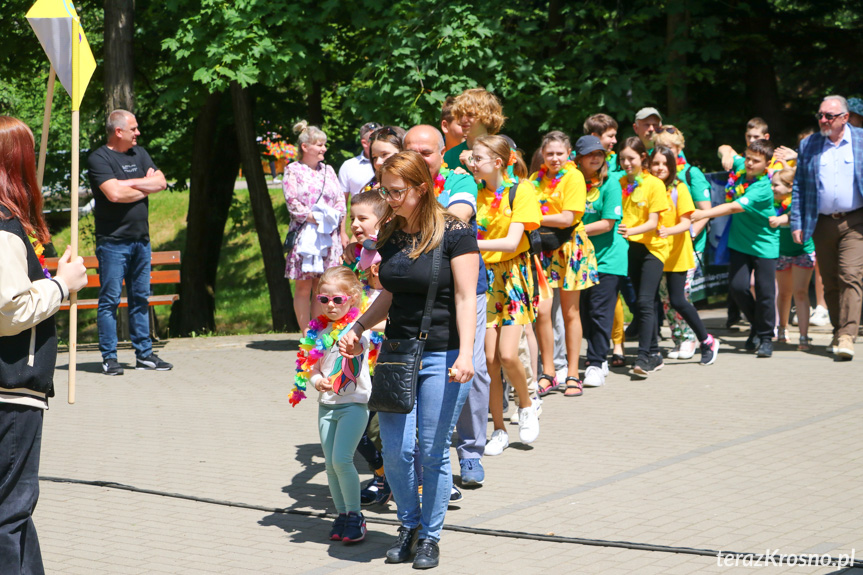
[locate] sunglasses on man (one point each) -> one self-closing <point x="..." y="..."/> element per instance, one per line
<point x="828" y="117"/>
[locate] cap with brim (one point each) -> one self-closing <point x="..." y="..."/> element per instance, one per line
<point x="588" y="144"/>
<point x="855" y="105"/>
<point x="646" y="113"/>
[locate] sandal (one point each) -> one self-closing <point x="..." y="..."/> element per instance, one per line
<point x="805" y="343"/>
<point x="578" y="386"/>
<point x="618" y="360"/>
<point x="543" y="391"/>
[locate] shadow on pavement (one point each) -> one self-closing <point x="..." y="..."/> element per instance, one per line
<point x="275" y="345"/>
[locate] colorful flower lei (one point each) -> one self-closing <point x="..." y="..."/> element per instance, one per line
<point x="782" y="207"/>
<point x="681" y="162"/>
<point x="482" y="223"/>
<point x="592" y="186"/>
<point x="40" y="253"/>
<point x="543" y="170"/>
<point x="609" y="159"/>
<point x="313" y="347"/>
<point x="630" y="187"/>
<point x="440" y="179"/>
<point x="737" y="185"/>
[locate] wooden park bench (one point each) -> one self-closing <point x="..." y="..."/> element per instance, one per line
<point x="157" y="277"/>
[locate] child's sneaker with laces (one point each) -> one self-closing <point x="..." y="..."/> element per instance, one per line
<point x="355" y="528"/>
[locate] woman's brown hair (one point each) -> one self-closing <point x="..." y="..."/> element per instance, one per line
<point x="19" y="192"/>
<point x="670" y="162"/>
<point x="430" y="214"/>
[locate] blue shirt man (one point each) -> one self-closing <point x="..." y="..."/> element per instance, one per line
<point x="827" y="205"/>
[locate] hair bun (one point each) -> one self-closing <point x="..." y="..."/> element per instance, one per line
<point x="300" y="127"/>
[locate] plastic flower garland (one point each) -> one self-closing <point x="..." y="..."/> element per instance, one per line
<point x="543" y="170"/>
<point x="630" y="187"/>
<point x="737" y="185"/>
<point x="782" y="207"/>
<point x="40" y="253"/>
<point x="440" y="179"/>
<point x="314" y="346"/>
<point x="681" y="162"/>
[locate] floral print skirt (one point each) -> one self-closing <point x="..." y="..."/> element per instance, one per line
<point x="510" y="292"/>
<point x="572" y="266"/>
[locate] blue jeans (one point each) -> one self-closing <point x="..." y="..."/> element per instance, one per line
<point x="20" y="447"/>
<point x="439" y="403"/>
<point x="341" y="426"/>
<point x="118" y="261"/>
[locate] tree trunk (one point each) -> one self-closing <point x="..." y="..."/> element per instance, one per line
<point x="762" y="88"/>
<point x="677" y="28"/>
<point x="215" y="164"/>
<point x="315" y="104"/>
<point x="281" y="301"/>
<point x="119" y="57"/>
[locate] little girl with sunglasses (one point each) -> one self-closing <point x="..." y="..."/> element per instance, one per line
<point x="344" y="387"/>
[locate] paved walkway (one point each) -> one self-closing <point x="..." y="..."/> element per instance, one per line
<point x="746" y="455"/>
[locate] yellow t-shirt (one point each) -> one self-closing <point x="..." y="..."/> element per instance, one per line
<point x="493" y="223"/>
<point x="570" y="194"/>
<point x="647" y="198"/>
<point x="681" y="256"/>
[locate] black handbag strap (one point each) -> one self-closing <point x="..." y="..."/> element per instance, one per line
<point x="425" y="324"/>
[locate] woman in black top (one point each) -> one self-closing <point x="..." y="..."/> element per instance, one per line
<point x="417" y="225"/>
<point x="29" y="298"/>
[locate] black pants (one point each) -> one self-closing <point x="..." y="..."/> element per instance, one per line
<point x="597" y="316"/>
<point x="645" y="271"/>
<point x="677" y="298"/>
<point x="760" y="310"/>
<point x="20" y="447"/>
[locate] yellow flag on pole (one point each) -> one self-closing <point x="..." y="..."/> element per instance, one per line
<point x="59" y="30"/>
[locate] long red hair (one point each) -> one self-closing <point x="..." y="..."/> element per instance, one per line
<point x="19" y="192"/>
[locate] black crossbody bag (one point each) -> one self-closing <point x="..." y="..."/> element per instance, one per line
<point x="394" y="386"/>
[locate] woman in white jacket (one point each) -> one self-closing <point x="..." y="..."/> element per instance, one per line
<point x="29" y="298"/>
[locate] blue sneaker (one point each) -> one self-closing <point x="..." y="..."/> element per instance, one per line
<point x="472" y="472"/>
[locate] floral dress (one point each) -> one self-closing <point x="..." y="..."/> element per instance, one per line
<point x="302" y="185"/>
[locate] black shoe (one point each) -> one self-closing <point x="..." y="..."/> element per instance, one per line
<point x="428" y="554"/>
<point x="338" y="527"/>
<point x="455" y="495"/>
<point x="152" y="361"/>
<point x="404" y="546"/>
<point x="355" y="528"/>
<point x="112" y="367"/>
<point x="752" y="342"/>
<point x="656" y="362"/>
<point x="765" y="348"/>
<point x="641" y="367"/>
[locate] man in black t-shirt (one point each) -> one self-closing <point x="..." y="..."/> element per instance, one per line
<point x="122" y="176"/>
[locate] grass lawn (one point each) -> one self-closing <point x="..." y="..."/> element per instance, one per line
<point x="242" y="299"/>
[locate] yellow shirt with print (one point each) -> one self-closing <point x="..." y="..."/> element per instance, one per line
<point x="681" y="256"/>
<point x="647" y="198"/>
<point x="570" y="194"/>
<point x="494" y="223"/>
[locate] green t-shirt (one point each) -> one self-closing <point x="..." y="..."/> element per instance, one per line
<point x="788" y="248"/>
<point x="699" y="188"/>
<point x="450" y="158"/>
<point x="612" y="250"/>
<point x="615" y="172"/>
<point x="750" y="229"/>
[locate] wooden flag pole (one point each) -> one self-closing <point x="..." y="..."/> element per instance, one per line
<point x="46" y="122"/>
<point x="73" y="299"/>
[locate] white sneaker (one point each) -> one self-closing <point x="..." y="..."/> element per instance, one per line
<point x="537" y="404"/>
<point x="561" y="374"/>
<point x="604" y="369"/>
<point x="674" y="352"/>
<point x="593" y="377"/>
<point x="687" y="350"/>
<point x="819" y="316"/>
<point x="513" y="418"/>
<point x="498" y="442"/>
<point x="528" y="424"/>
